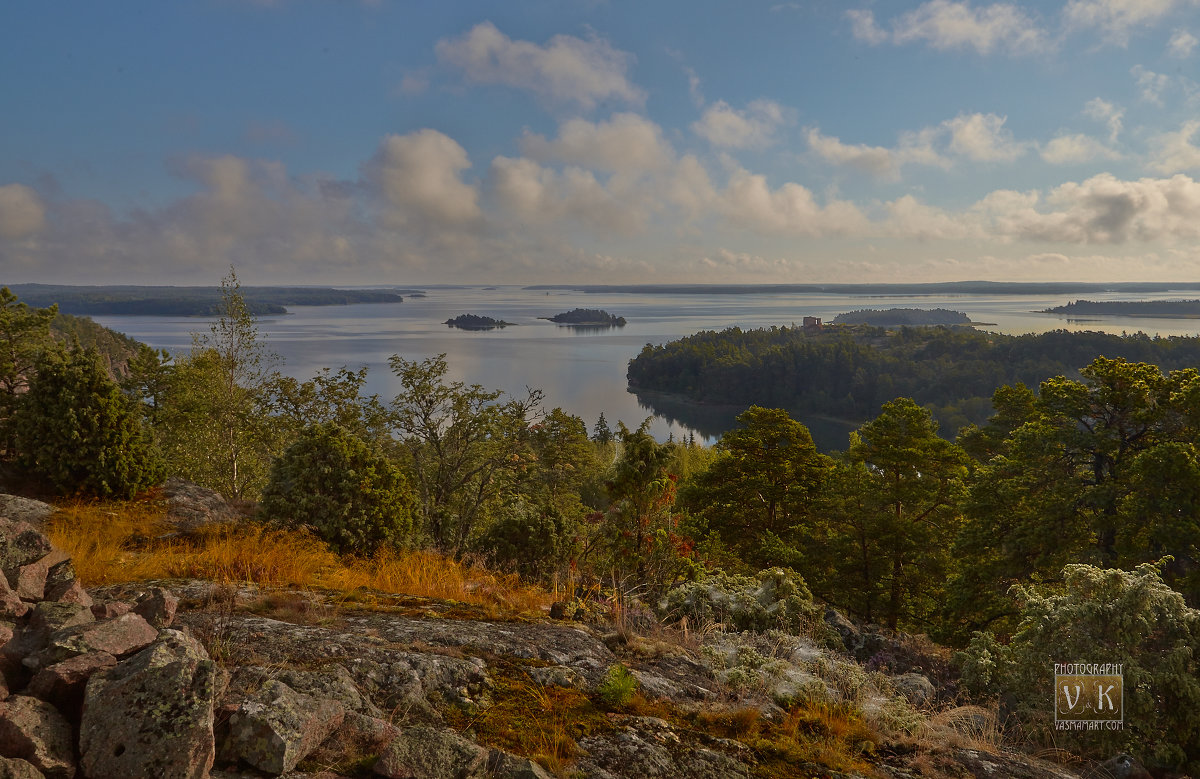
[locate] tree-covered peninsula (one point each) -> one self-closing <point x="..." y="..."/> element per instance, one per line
<point x="850" y="372"/>
<point x="1167" y="309"/>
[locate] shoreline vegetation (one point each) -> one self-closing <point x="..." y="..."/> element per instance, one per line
<point x="1163" y="309"/>
<point x="476" y="322"/>
<point x="586" y="317"/>
<point x="133" y="300"/>
<point x="849" y="371"/>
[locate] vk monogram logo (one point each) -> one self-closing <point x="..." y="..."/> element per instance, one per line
<point x="1088" y="696"/>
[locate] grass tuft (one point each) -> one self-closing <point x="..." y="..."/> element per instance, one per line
<point x="112" y="543"/>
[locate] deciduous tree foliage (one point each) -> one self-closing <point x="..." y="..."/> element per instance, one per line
<point x="463" y="444"/>
<point x="216" y="422"/>
<point x="640" y="529"/>
<point x="78" y="433"/>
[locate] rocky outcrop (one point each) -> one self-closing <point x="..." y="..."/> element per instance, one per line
<point x="191" y="507"/>
<point x="27" y="510"/>
<point x="432" y="753"/>
<point x="36" y="732"/>
<point x="151" y="715"/>
<point x="119" y="683"/>
<point x="278" y="727"/>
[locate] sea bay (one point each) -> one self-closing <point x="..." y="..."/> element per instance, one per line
<point x="583" y="370"/>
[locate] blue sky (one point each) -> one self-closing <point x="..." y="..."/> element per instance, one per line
<point x="351" y="142"/>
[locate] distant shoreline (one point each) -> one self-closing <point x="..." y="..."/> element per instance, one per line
<point x="923" y="288"/>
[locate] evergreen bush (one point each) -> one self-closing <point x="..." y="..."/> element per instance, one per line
<point x="531" y="539"/>
<point x="1102" y="616"/>
<point x="618" y="687"/>
<point x="346" y="490"/>
<point x="76" y="432"/>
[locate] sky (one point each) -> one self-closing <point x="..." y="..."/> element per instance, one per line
<point x="598" y="141"/>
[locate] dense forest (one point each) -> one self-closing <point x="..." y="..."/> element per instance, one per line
<point x="1185" y="309"/>
<point x="852" y="372"/>
<point x="189" y="301"/>
<point x="475" y="322"/>
<point x="588" y="317"/>
<point x="897" y="317"/>
<point x="1064" y="528"/>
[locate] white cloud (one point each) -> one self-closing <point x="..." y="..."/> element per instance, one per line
<point x="417" y="177"/>
<point x="983" y="138"/>
<point x="876" y="160"/>
<point x="1151" y="84"/>
<point x="537" y="195"/>
<point x="566" y="69"/>
<point x="414" y="83"/>
<point x="748" y="202"/>
<point x="624" y="143"/>
<point x="751" y="128"/>
<point x="21" y="212"/>
<point x="726" y="263"/>
<point x="1116" y="19"/>
<point x="1182" y="44"/>
<point x="1102" y="209"/>
<point x="945" y="24"/>
<point x="1174" y="152"/>
<point x="864" y="28"/>
<point x="976" y="137"/>
<point x="1076" y="149"/>
<point x="1104" y="111"/>
<point x="914" y="148"/>
<point x="907" y="217"/>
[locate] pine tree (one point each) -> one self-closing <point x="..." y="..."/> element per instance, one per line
<point x="601" y="434"/>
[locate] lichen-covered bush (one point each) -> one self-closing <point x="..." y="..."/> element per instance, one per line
<point x="1102" y="616"/>
<point x="772" y="599"/>
<point x="347" y="491"/>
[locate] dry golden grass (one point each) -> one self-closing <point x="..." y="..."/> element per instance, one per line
<point x="112" y="543"/>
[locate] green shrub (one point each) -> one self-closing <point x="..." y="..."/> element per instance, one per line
<point x="78" y="433"/>
<point x="618" y="687"/>
<point x="346" y="490"/>
<point x="531" y="539"/>
<point x="1102" y="616"/>
<point x="772" y="599"/>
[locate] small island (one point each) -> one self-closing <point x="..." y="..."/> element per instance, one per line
<point x="587" y="317"/>
<point x="1165" y="309"/>
<point x="475" y="322"/>
<point x="903" y="317"/>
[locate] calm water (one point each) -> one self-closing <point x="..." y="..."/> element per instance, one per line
<point x="584" y="371"/>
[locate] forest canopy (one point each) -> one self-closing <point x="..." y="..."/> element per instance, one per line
<point x="850" y="372"/>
